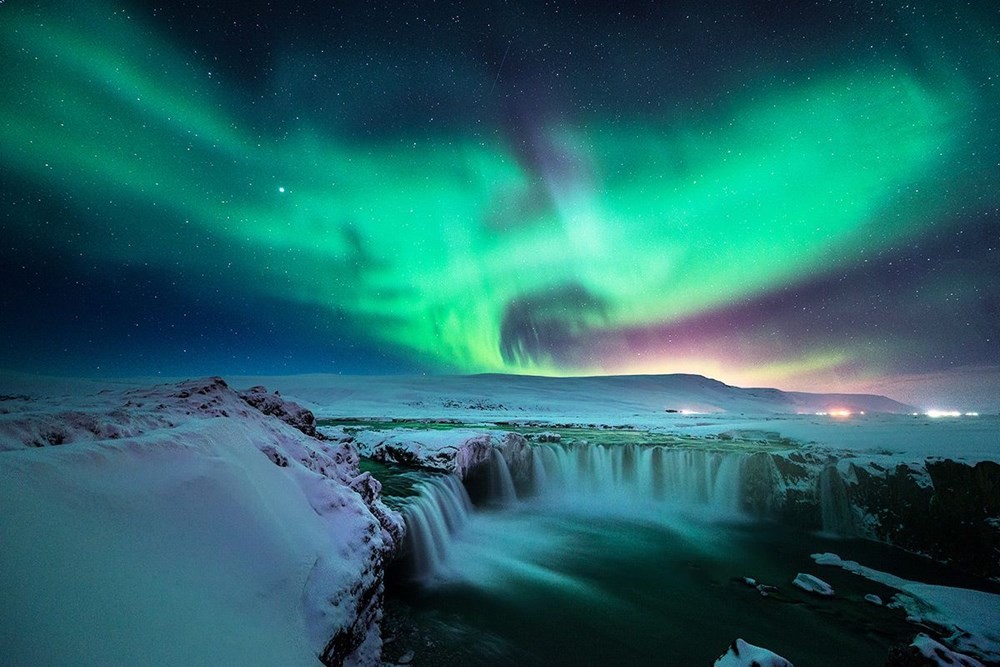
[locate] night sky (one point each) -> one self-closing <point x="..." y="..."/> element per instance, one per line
<point x="803" y="195"/>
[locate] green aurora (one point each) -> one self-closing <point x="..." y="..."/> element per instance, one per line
<point x="451" y="247"/>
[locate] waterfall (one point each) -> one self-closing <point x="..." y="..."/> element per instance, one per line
<point x="491" y="483"/>
<point x="652" y="473"/>
<point x="438" y="511"/>
<point x="605" y="475"/>
<point x="501" y="481"/>
<point x="835" y="508"/>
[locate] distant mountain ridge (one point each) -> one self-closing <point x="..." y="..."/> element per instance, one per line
<point x="524" y="396"/>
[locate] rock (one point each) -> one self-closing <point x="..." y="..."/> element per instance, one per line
<point x="406" y="658"/>
<point x="811" y="584"/>
<point x="874" y="599"/>
<point x="827" y="558"/>
<point x="945" y="509"/>
<point x="743" y="654"/>
<point x="454" y="450"/>
<point x="289" y="412"/>
<point x="761" y="484"/>
<point x="766" y="590"/>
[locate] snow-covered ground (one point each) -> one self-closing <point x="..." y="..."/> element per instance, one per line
<point x="642" y="401"/>
<point x="574" y="399"/>
<point x="179" y="525"/>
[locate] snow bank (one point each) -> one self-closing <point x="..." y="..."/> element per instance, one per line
<point x="968" y="616"/>
<point x="157" y="527"/>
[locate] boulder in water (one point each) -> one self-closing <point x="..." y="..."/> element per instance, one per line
<point x="744" y="654"/>
<point x="811" y="584"/>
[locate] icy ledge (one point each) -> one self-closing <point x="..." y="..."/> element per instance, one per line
<point x="159" y="528"/>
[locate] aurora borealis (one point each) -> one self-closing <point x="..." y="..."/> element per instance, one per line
<point x="792" y="196"/>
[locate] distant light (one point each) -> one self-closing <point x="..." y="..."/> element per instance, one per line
<point x="971" y="414"/>
<point x="281" y="188"/>
<point x="689" y="412"/>
<point x="840" y="413"/>
<point x="935" y="414"/>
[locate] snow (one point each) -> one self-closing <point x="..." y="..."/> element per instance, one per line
<point x="743" y="654"/>
<point x="939" y="654"/>
<point x="811" y="584"/>
<point x="641" y="401"/>
<point x="187" y="525"/>
<point x="969" y="615"/>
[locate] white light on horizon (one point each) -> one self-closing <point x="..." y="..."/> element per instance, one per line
<point x="936" y="414"/>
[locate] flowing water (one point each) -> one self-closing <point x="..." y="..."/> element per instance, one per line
<point x="625" y="556"/>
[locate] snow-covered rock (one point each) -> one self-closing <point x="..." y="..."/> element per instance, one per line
<point x="289" y="412"/>
<point x="182" y="521"/>
<point x="926" y="652"/>
<point x="743" y="654"/>
<point x="451" y="450"/>
<point x="812" y="584"/>
<point x="874" y="599"/>
<point x="937" y="507"/>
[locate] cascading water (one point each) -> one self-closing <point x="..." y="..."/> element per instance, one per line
<point x="835" y="508"/>
<point x="492" y="483"/>
<point x="600" y="476"/>
<point x="437" y="513"/>
<point x="682" y="476"/>
<point x="502" y="483"/>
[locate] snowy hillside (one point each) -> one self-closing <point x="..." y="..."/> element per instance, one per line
<point x="183" y="521"/>
<point x="583" y="397"/>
